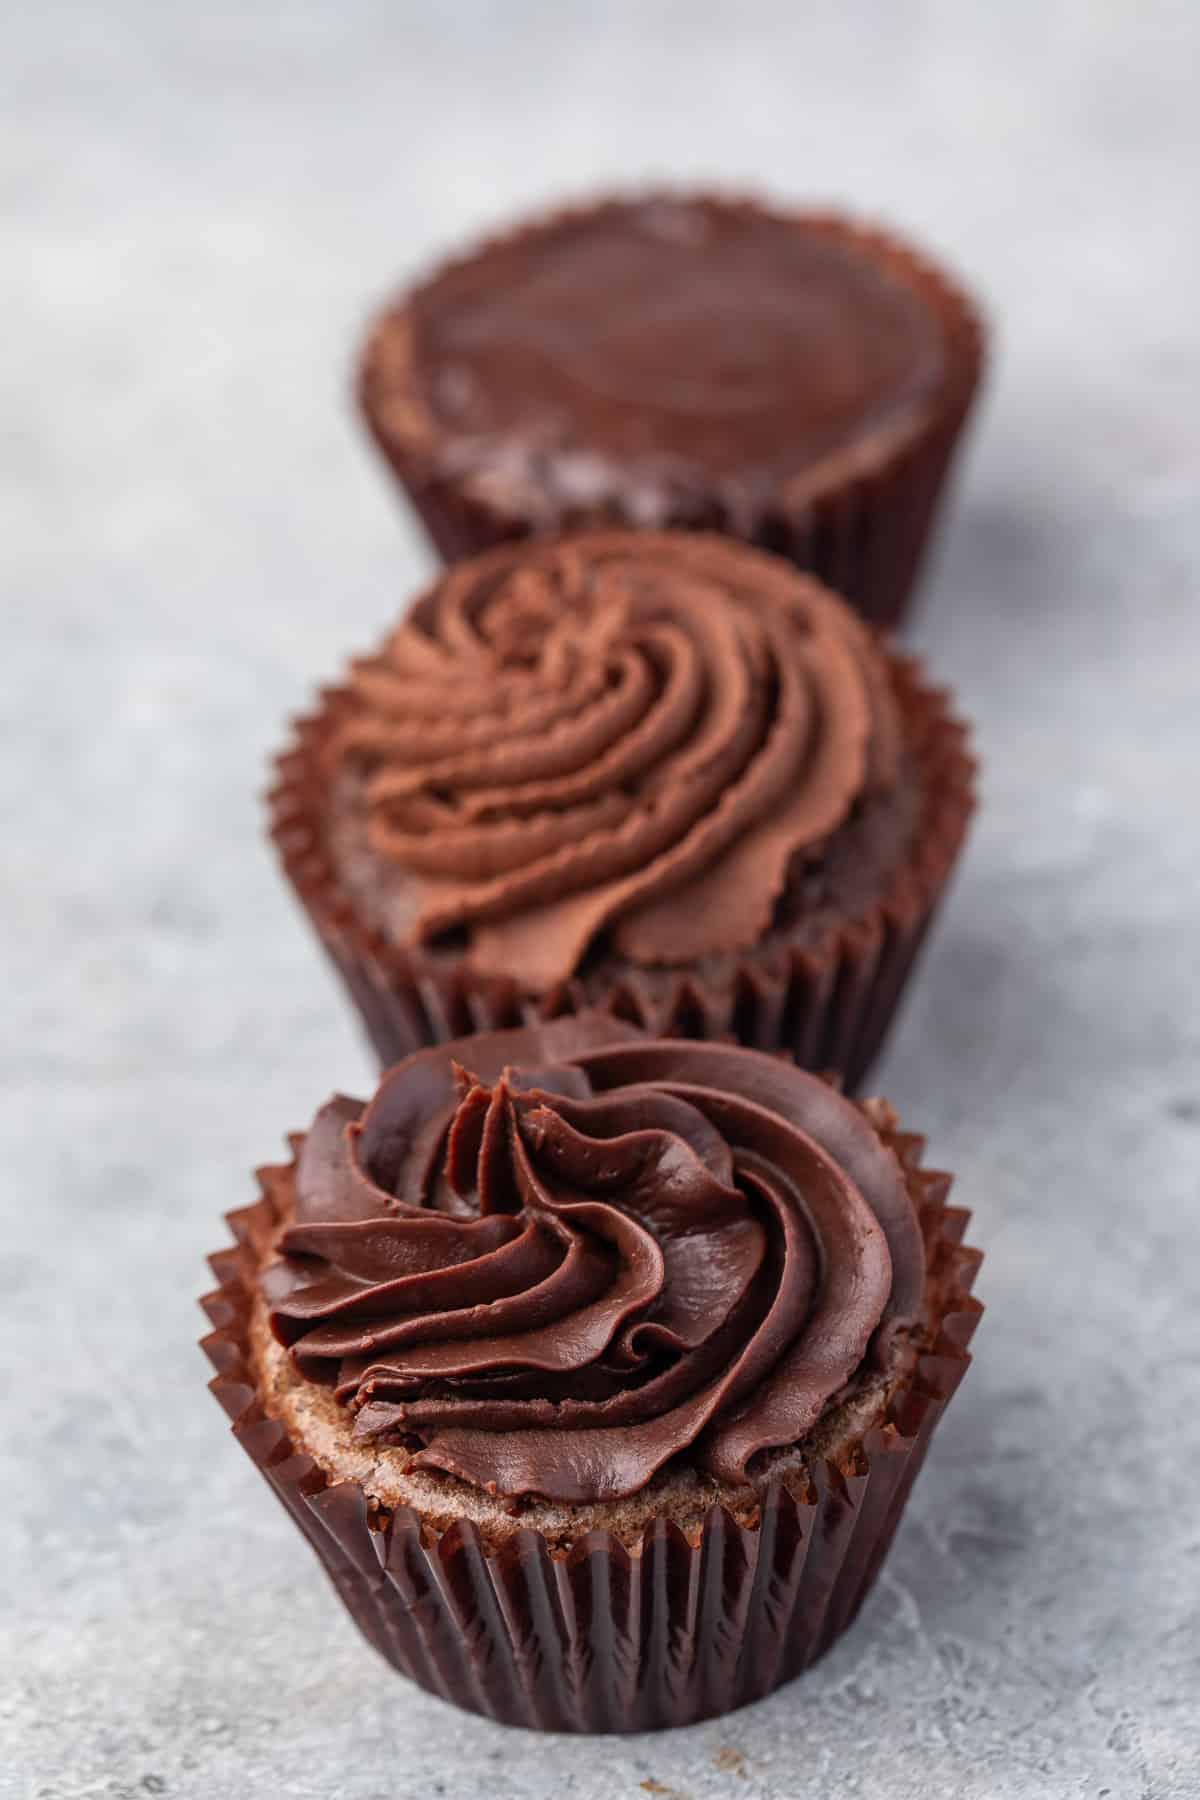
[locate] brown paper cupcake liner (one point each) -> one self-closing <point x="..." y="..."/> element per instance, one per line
<point x="864" y="532"/>
<point x="828" y="1003"/>
<point x="599" y="1637"/>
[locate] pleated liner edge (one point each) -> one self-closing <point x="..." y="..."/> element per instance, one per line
<point x="827" y="1004"/>
<point x="599" y="1638"/>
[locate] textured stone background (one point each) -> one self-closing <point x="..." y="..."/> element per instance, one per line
<point x="199" y="206"/>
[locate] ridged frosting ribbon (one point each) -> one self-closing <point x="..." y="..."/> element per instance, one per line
<point x="590" y="1253"/>
<point x="630" y="735"/>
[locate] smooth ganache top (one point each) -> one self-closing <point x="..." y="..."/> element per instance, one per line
<point x="554" y="1260"/>
<point x="629" y="733"/>
<point x="632" y="352"/>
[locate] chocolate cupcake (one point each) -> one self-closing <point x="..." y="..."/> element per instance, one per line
<point x="660" y="773"/>
<point x="595" y="1368"/>
<point x="794" y="380"/>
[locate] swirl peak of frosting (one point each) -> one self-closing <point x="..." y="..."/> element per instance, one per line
<point x="632" y="735"/>
<point x="591" y="1254"/>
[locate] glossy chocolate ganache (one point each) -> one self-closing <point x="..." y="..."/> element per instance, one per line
<point x="557" y="1261"/>
<point x="640" y="355"/>
<point x="655" y="743"/>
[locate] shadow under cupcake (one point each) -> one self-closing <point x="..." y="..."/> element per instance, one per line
<point x="595" y="1369"/>
<point x="658" y="773"/>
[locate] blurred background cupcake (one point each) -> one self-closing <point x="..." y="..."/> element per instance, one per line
<point x="596" y="1369"/>
<point x="793" y="379"/>
<point x="660" y="773"/>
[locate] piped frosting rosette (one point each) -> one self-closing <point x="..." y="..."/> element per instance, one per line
<point x="558" y="1280"/>
<point x="654" y="772"/>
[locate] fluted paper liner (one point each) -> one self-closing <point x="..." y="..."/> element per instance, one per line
<point x="863" y="533"/>
<point x="600" y="1637"/>
<point x="828" y="1004"/>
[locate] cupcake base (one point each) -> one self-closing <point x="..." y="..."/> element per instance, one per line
<point x="828" y="1003"/>
<point x="602" y="1636"/>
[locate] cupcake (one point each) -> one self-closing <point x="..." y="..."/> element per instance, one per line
<point x="659" y="773"/>
<point x="794" y="380"/>
<point x="595" y="1368"/>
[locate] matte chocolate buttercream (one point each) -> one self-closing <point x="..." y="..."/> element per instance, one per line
<point x="629" y="734"/>
<point x="553" y="1262"/>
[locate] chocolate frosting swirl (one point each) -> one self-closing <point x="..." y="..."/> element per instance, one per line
<point x="630" y="734"/>
<point x="555" y="1259"/>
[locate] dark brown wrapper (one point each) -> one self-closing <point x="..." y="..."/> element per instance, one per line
<point x="863" y="534"/>
<point x="829" y="1004"/>
<point x="599" y="1638"/>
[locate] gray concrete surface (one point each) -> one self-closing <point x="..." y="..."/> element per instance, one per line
<point x="199" y="205"/>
